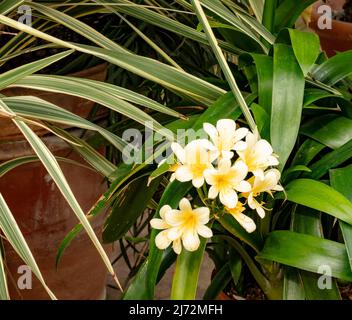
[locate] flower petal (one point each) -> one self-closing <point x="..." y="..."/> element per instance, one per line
<point x="177" y="246"/>
<point x="178" y="151"/>
<point x="227" y="155"/>
<point x="205" y="232"/>
<point x="198" y="182"/>
<point x="183" y="174"/>
<point x="241" y="133"/>
<point x="163" y="210"/>
<point x="240" y="146"/>
<point x="229" y="198"/>
<point x="261" y="212"/>
<point x="226" y="128"/>
<point x="224" y="165"/>
<point x="185" y="205"/>
<point x="173" y="218"/>
<point x="158" y="224"/>
<point x="263" y="148"/>
<point x="174" y="233"/>
<point x="190" y="240"/>
<point x="241" y="168"/>
<point x="211" y="131"/>
<point x="162" y="241"/>
<point x="244" y="186"/>
<point x="246" y="222"/>
<point x="213" y="192"/>
<point x="202" y="215"/>
<point x="209" y="175"/>
<point x="253" y="204"/>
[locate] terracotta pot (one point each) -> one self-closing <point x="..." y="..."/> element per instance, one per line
<point x="339" y="37"/>
<point x="44" y="216"/>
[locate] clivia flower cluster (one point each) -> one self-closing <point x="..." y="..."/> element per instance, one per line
<point x="238" y="168"/>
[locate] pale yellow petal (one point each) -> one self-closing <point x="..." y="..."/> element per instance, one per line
<point x="183" y="174"/>
<point x="177" y="246"/>
<point x="261" y="212"/>
<point x="190" y="240"/>
<point x="204" y="231"/>
<point x="163" y="210"/>
<point x="185" y="205"/>
<point x="213" y="192"/>
<point x="162" y="241"/>
<point x="241" y="133"/>
<point x="246" y="222"/>
<point x="174" y="233"/>
<point x="202" y="215"/>
<point x="240" y="146"/>
<point x="211" y="131"/>
<point x="178" y="151"/>
<point x="198" y="182"/>
<point x="158" y="224"/>
<point x="244" y="186"/>
<point x="263" y="148"/>
<point x="229" y="198"/>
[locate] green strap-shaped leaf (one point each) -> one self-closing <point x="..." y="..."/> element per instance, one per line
<point x="335" y="69"/>
<point x="79" y="27"/>
<point x="307" y="252"/>
<point x="341" y="180"/>
<point x="218" y="283"/>
<point x="185" y="279"/>
<point x="18" y="73"/>
<point x="153" y="70"/>
<point x="321" y="197"/>
<point x="289" y="11"/>
<point x="33" y="107"/>
<point x="330" y="129"/>
<point x="306" y="47"/>
<point x="308" y="221"/>
<point x="6" y="6"/>
<point x="163" y="21"/>
<point x="4" y="292"/>
<point x="331" y="160"/>
<point x="288" y="91"/>
<point x="293" y="288"/>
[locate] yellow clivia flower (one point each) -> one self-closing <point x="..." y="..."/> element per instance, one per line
<point x="257" y="154"/>
<point x="226" y="180"/>
<point x="268" y="184"/>
<point x="181" y="227"/>
<point x="194" y="159"/>
<point x="225" y="137"/>
<point x="246" y="222"/>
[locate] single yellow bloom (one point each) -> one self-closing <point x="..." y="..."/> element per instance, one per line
<point x="226" y="180"/>
<point x="225" y="137"/>
<point x="268" y="184"/>
<point x="182" y="227"/>
<point x="257" y="154"/>
<point x="194" y="159"/>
